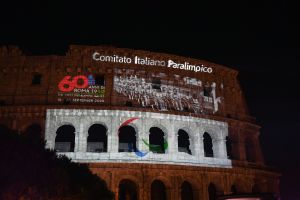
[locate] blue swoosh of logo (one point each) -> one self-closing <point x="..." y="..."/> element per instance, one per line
<point x="140" y="154"/>
<point x="137" y="152"/>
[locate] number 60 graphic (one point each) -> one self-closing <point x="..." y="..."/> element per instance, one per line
<point x="67" y="84"/>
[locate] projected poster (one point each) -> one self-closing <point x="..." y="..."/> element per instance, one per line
<point x="81" y="89"/>
<point x="164" y="92"/>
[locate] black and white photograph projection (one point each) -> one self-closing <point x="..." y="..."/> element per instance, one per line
<point x="164" y="92"/>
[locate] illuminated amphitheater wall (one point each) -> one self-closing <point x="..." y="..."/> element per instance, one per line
<point x="189" y="133"/>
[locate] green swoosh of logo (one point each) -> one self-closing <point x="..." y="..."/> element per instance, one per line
<point x="154" y="147"/>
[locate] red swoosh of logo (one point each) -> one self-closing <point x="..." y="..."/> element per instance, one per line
<point x="128" y="122"/>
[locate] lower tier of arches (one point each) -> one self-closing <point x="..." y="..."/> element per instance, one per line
<point x="157" y="181"/>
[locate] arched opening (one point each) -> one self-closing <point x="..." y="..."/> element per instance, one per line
<point x="186" y="191"/>
<point x="36" y="79"/>
<point x="97" y="138"/>
<point x="256" y="189"/>
<point x="156" y="140"/>
<point x="249" y="147"/>
<point x="233" y="189"/>
<point x="65" y="139"/>
<point x="229" y="147"/>
<point x="212" y="192"/>
<point x="184" y="142"/>
<point x="34" y="132"/>
<point x="127" y="139"/>
<point x="208" y="145"/>
<point x="127" y="190"/>
<point x="158" y="190"/>
<point x="99" y="80"/>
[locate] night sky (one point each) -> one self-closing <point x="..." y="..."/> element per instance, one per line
<point x="258" y="38"/>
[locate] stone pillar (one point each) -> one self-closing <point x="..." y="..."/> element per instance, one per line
<point x="76" y="147"/>
<point x="82" y="138"/>
<point x="175" y="188"/>
<point x="219" y="143"/>
<point x="173" y="194"/>
<point x="143" y="134"/>
<point x="50" y="132"/>
<point x="109" y="139"/>
<point x="197" y="143"/>
<point x="219" y="148"/>
<point x="200" y="142"/>
<point x="114" y="138"/>
<point x="140" y="191"/>
<point x="172" y="139"/>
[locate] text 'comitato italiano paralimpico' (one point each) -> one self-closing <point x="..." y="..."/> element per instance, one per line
<point x="151" y="62"/>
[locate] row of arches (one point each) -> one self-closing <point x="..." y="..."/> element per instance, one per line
<point x="128" y="190"/>
<point x="97" y="140"/>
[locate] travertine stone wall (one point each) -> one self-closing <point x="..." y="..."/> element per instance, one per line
<point x="170" y="124"/>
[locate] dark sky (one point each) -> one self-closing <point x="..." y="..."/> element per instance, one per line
<point x="258" y="38"/>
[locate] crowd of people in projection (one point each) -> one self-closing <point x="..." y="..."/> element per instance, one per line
<point x="159" y="93"/>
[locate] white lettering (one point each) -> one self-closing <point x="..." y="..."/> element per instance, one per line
<point x="151" y="62"/>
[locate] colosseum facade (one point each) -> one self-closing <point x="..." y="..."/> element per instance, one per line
<point x="152" y="125"/>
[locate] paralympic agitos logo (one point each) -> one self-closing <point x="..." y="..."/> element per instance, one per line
<point x="151" y="147"/>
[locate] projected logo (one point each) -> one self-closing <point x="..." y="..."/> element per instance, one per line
<point x="80" y="88"/>
<point x="153" y="148"/>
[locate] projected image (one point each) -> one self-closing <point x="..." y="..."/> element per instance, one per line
<point x="81" y="89"/>
<point x="127" y="139"/>
<point x="165" y="92"/>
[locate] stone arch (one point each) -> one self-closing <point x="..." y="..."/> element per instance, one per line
<point x="91" y="123"/>
<point x="65" y="138"/>
<point x="158" y="125"/>
<point x="188" y="130"/>
<point x="127" y="139"/>
<point x="137" y="125"/>
<point x="133" y="178"/>
<point x="186" y="191"/>
<point x="184" y="141"/>
<point x="97" y="138"/>
<point x="64" y="123"/>
<point x="165" y="180"/>
<point x="212" y="132"/>
<point x="157" y="140"/>
<point x="128" y="190"/>
<point x="214" y="190"/>
<point x="208" y="145"/>
<point x="195" y="185"/>
<point x="158" y="190"/>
